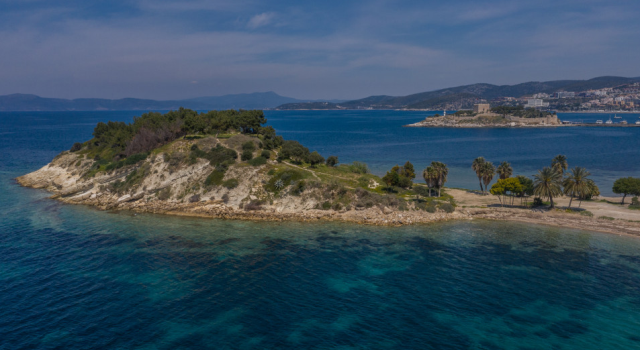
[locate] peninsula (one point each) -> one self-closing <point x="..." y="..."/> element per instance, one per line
<point x="226" y="164"/>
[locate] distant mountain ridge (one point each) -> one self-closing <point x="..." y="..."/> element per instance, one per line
<point x="464" y="96"/>
<point x="257" y="100"/>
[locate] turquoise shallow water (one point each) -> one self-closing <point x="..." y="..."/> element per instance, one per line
<point x="72" y="277"/>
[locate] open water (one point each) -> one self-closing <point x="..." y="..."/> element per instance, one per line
<point x="72" y="277"/>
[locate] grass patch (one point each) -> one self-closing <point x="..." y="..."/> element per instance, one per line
<point x="606" y="218"/>
<point x="215" y="178"/>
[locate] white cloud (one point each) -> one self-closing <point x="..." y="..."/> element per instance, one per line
<point x="261" y="20"/>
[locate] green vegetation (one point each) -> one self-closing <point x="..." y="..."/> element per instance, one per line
<point x="435" y="176"/>
<point x="76" y="147"/>
<point x="332" y="161"/>
<point x="547" y="183"/>
<point x="258" y="161"/>
<point x="504" y="170"/>
<point x="506" y="187"/>
<point x="520" y="111"/>
<point x="464" y="113"/>
<point x="283" y="178"/>
<point x="577" y="183"/>
<point x="231" y="183"/>
<point x="215" y="178"/>
<point x="116" y="140"/>
<point x="559" y="164"/>
<point x="246" y="155"/>
<point x="400" y="176"/>
<point x="315" y="158"/>
<point x="359" y="168"/>
<point x="627" y="186"/>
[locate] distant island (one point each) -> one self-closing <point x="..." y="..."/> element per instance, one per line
<point x="483" y="115"/>
<point x="597" y="94"/>
<point x="258" y="100"/>
<point x="227" y="164"/>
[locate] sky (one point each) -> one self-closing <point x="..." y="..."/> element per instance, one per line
<point x="170" y="49"/>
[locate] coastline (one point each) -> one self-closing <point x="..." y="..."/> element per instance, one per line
<point x="216" y="209"/>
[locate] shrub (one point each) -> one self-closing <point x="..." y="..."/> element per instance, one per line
<point x="253" y="205"/>
<point x="332" y="161"/>
<point x="635" y="204"/>
<point x="359" y="168"/>
<point x="249" y="146"/>
<point x="225" y="198"/>
<point x="127" y="161"/>
<point x="76" y="147"/>
<point x="421" y="191"/>
<point x="537" y="202"/>
<point x="194" y="199"/>
<point x="294" y="151"/>
<point x="265" y="154"/>
<point x="164" y="193"/>
<point x="258" y="161"/>
<point x="606" y="218"/>
<point x="230" y="184"/>
<point x="315" y="158"/>
<point x="586" y="213"/>
<point x="282" y="179"/>
<point x="326" y="205"/>
<point x="337" y="206"/>
<point x="246" y="155"/>
<point x="430" y="208"/>
<point x="447" y="207"/>
<point x="298" y="188"/>
<point x="214" y="179"/>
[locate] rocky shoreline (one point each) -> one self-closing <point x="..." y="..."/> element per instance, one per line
<point x="176" y="189"/>
<point x="217" y="209"/>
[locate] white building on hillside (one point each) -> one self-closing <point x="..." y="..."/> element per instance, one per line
<point x="536" y="103"/>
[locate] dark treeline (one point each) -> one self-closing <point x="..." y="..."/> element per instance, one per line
<point x="520" y="111"/>
<point x="118" y="140"/>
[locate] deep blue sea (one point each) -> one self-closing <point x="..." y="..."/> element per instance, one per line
<point x="72" y="277"/>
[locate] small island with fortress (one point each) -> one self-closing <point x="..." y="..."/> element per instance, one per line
<point x="483" y="115"/>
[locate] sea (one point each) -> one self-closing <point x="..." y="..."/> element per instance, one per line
<point x="73" y="277"/>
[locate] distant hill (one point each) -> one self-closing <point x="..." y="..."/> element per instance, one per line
<point x="258" y="100"/>
<point x="464" y="96"/>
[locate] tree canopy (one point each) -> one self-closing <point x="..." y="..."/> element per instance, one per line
<point x="627" y="186"/>
<point x="150" y="130"/>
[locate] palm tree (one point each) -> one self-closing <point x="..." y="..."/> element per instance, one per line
<point x="442" y="172"/>
<point x="430" y="175"/>
<point x="547" y="183"/>
<point x="576" y="183"/>
<point x="592" y="191"/>
<point x="559" y="163"/>
<point x="488" y="171"/>
<point x="477" y="166"/>
<point x="504" y="170"/>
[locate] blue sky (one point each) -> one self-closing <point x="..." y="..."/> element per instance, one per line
<point x="315" y="49"/>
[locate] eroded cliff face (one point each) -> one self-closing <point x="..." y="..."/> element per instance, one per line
<point x="157" y="178"/>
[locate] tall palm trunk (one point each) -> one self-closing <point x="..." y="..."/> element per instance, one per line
<point x="480" y="180"/>
<point x="571" y="199"/>
<point x="551" y="201"/>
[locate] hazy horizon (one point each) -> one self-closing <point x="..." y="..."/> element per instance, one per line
<point x="171" y="50"/>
